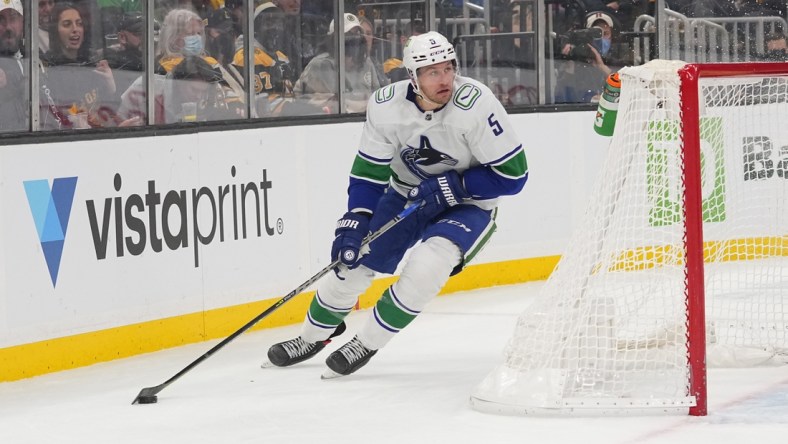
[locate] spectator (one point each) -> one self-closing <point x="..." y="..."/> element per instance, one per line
<point x="318" y="82"/>
<point x="393" y="67"/>
<point x="614" y="53"/>
<point x="13" y="92"/>
<point x="273" y="75"/>
<point x="368" y="31"/>
<point x="220" y="36"/>
<point x="194" y="81"/>
<point x="237" y="10"/>
<point x="776" y="47"/>
<point x="44" y="12"/>
<point x="181" y="36"/>
<point x="74" y="82"/>
<point x="126" y="57"/>
<point x="585" y="65"/>
<point x="288" y="6"/>
<point x="305" y="29"/>
<point x="112" y="13"/>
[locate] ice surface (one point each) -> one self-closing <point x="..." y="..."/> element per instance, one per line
<point x="415" y="390"/>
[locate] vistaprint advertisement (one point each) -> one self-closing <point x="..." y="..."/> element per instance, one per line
<point x="109" y="233"/>
<point x="96" y="234"/>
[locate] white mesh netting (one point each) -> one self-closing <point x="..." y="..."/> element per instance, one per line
<point x="608" y="330"/>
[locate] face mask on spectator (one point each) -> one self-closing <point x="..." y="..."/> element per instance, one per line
<point x="602" y="45"/>
<point x="192" y="44"/>
<point x="356" y="49"/>
<point x="777" y="55"/>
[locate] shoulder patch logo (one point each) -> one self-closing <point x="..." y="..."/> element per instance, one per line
<point x="466" y="96"/>
<point x="384" y="94"/>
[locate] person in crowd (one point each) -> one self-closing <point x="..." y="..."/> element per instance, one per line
<point x="288" y="6"/>
<point x="318" y="83"/>
<point x="429" y="144"/>
<point x="237" y="10"/>
<point x="776" y="47"/>
<point x="181" y="35"/>
<point x="368" y="31"/>
<point x="220" y="36"/>
<point x="112" y="13"/>
<point x="14" y="99"/>
<point x="126" y="57"/>
<point x="614" y="53"/>
<point x="44" y="12"/>
<point x="273" y="74"/>
<point x="302" y="30"/>
<point x="393" y="67"/>
<point x="586" y="63"/>
<point x="77" y="88"/>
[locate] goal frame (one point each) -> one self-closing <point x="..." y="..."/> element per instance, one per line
<point x="690" y="76"/>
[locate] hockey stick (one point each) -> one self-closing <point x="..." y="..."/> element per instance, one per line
<point x="148" y="394"/>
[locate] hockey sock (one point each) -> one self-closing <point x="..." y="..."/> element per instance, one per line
<point x="427" y="270"/>
<point x="334" y="299"/>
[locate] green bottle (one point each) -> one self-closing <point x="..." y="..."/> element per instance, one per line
<point x="607" y="111"/>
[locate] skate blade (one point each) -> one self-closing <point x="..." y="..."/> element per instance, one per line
<point x="330" y="374"/>
<point x="267" y="364"/>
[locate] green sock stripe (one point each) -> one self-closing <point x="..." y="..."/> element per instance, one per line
<point x="325" y="315"/>
<point x="392" y="312"/>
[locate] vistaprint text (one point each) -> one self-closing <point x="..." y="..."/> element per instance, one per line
<point x="172" y="218"/>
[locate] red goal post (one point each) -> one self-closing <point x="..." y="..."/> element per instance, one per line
<point x="690" y="76"/>
<point x="682" y="249"/>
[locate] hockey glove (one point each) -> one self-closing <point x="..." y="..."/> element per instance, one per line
<point x="350" y="232"/>
<point x="439" y="193"/>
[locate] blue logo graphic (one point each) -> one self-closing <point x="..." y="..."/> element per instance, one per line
<point x="51" y="209"/>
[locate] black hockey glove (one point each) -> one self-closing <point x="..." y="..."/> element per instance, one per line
<point x="350" y="232"/>
<point x="439" y="193"/>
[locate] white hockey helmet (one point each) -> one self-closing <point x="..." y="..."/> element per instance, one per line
<point x="425" y="50"/>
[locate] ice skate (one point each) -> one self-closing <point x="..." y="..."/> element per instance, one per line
<point x="297" y="350"/>
<point x="347" y="359"/>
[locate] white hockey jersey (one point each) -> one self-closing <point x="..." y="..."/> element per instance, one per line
<point x="473" y="129"/>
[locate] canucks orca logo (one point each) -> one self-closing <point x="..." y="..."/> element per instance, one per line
<point x="424" y="156"/>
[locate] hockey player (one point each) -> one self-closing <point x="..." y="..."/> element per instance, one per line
<point x="437" y="138"/>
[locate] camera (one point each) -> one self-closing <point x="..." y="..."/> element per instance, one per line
<point x="580" y="40"/>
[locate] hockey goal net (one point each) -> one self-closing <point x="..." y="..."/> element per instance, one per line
<point x="681" y="258"/>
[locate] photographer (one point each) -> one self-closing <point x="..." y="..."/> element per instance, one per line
<point x="587" y="56"/>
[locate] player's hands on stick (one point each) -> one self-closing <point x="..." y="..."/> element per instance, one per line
<point x="350" y="232"/>
<point x="439" y="193"/>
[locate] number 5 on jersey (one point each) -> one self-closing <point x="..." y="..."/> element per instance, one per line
<point x="496" y="127"/>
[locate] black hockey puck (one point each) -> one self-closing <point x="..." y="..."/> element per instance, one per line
<point x="151" y="399"/>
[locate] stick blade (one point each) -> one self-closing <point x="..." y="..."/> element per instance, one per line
<point x="147" y="396"/>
